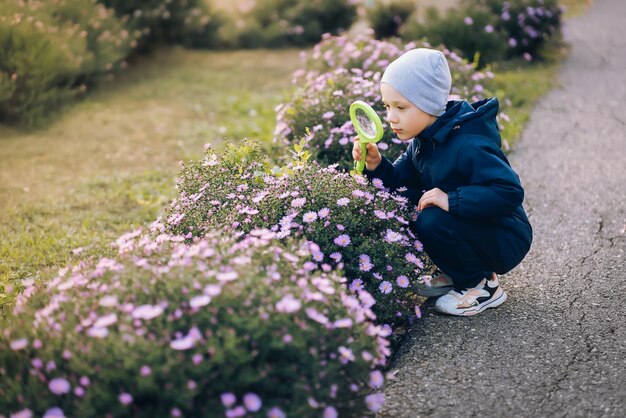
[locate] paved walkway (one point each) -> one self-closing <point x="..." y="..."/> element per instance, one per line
<point x="557" y="348"/>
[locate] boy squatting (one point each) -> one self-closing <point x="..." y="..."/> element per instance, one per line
<point x="469" y="200"/>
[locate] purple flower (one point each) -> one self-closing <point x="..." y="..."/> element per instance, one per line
<point x="147" y="312"/>
<point x="184" y="343"/>
<point x="276" y="413"/>
<point x="343" y="323"/>
<point x="356" y="284"/>
<point x="288" y="304"/>
<point x="24" y="413"/>
<point x="298" y="203"/>
<point x="228" y="399"/>
<point x="145" y="371"/>
<point x="468" y="20"/>
<point x="328" y="115"/>
<point x="330" y="412"/>
<point x="252" y="402"/>
<point x="336" y="256"/>
<point x="175" y="412"/>
<point x="385" y="287"/>
<point x="20" y="344"/>
<point x="345" y="355"/>
<point x="199" y="301"/>
<point x="489" y="29"/>
<point x="380" y="214"/>
<point x="376" y="379"/>
<point x="125" y="398"/>
<point x="418" y="311"/>
<point x="375" y="401"/>
<point x="392" y="236"/>
<point x="403" y="281"/>
<point x="59" y="386"/>
<point x="309" y="217"/>
<point x="323" y="212"/>
<point x="378" y="183"/>
<point x="343" y="201"/>
<point x="342" y="240"/>
<point x="54" y="412"/>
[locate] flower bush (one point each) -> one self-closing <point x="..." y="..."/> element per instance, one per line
<point x="277" y="23"/>
<point x="339" y="71"/>
<point x="494" y="29"/>
<point x="349" y="223"/>
<point x="213" y="328"/>
<point x="55" y="49"/>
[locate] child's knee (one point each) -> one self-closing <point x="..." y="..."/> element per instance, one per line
<point x="429" y="222"/>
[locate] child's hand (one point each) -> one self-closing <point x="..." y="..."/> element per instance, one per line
<point x="434" y="197"/>
<point x="373" y="157"/>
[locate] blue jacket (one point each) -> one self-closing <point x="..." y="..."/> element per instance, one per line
<point x="460" y="154"/>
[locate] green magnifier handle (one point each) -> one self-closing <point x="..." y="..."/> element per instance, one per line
<point x="359" y="166"/>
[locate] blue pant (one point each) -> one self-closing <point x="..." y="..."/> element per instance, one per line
<point x="468" y="250"/>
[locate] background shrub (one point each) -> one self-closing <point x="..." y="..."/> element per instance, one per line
<point x="350" y="224"/>
<point x="187" y="22"/>
<point x="50" y="48"/>
<point x="470" y="30"/>
<point x="494" y="29"/>
<point x="339" y="71"/>
<point x="277" y="23"/>
<point x="387" y="16"/>
<point x="209" y="329"/>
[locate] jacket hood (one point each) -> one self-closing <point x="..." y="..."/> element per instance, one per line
<point x="476" y="118"/>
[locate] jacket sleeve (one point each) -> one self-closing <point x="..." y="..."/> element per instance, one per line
<point x="493" y="189"/>
<point x="401" y="173"/>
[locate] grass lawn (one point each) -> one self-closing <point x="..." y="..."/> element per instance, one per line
<point x="107" y="164"/>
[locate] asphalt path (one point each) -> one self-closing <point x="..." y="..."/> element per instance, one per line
<point x="557" y="347"/>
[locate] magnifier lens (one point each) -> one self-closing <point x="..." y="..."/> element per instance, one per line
<point x="366" y="124"/>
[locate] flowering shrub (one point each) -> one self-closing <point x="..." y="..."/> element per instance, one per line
<point x="53" y="49"/>
<point x="386" y="17"/>
<point x="496" y="29"/>
<point x="339" y="71"/>
<point x="214" y="328"/>
<point x="181" y="21"/>
<point x="348" y="222"/>
<point x="48" y="46"/>
<point x="275" y="23"/>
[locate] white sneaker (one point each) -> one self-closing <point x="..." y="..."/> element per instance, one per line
<point x="468" y="302"/>
<point x="437" y="286"/>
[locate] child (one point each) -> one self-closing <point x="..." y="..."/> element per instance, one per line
<point x="469" y="200"/>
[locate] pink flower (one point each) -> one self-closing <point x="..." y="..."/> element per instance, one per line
<point x="489" y="29"/>
<point x="105" y="321"/>
<point x="147" y="312"/>
<point x="24" y="413"/>
<point x="343" y="201"/>
<point x="59" y="386"/>
<point x="228" y="399"/>
<point x="316" y="316"/>
<point x="309" y="217"/>
<point x="342" y="240"/>
<point x="288" y="304"/>
<point x="54" y="412"/>
<point x="199" y="301"/>
<point x="276" y="413"/>
<point x="402" y="281"/>
<point x="298" y="203"/>
<point x="125" y="398"/>
<point x="184" y="343"/>
<point x="468" y="20"/>
<point x="376" y="379"/>
<point x="375" y="401"/>
<point x="252" y="402"/>
<point x="330" y="412"/>
<point x="385" y="287"/>
<point x="418" y="311"/>
<point x="145" y="371"/>
<point x="20" y="344"/>
<point x="343" y="323"/>
<point x="345" y="355"/>
<point x="323" y="213"/>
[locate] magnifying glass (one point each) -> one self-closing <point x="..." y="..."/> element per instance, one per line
<point x="368" y="126"/>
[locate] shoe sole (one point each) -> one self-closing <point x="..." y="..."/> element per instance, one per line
<point x="493" y="303"/>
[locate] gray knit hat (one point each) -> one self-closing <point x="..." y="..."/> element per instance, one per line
<point x="422" y="76"/>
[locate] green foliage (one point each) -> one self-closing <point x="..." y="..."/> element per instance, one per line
<point x="169" y="329"/>
<point x="475" y="39"/>
<point x="387" y="16"/>
<point x="277" y="23"/>
<point x="186" y="22"/>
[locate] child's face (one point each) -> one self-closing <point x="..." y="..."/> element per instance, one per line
<point x="406" y="119"/>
